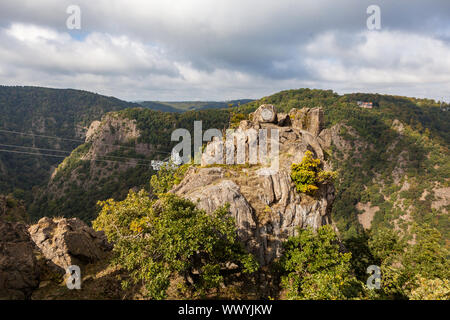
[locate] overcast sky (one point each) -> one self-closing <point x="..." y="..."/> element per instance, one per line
<point x="221" y="50"/>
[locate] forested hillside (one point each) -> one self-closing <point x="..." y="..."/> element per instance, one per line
<point x="108" y="167"/>
<point x="400" y="150"/>
<point x="182" y="106"/>
<point x="393" y="162"/>
<point x="46" y="121"/>
<point x="391" y="170"/>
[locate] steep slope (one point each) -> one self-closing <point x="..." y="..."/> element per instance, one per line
<point x="267" y="208"/>
<point x="393" y="160"/>
<point x="38" y="121"/>
<point x="12" y="210"/>
<point x="393" y="170"/>
<point x="117" y="156"/>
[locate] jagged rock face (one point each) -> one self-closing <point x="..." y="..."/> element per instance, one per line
<point x="19" y="272"/>
<point x="112" y="131"/>
<point x="267" y="208"/>
<point x="68" y="242"/>
<point x="307" y="119"/>
<point x="108" y="136"/>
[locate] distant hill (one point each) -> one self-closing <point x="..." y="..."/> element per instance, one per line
<point x="182" y="106"/>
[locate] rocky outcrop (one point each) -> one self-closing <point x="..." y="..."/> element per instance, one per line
<point x="112" y="148"/>
<point x="19" y="272"/>
<point x="308" y="119"/>
<point x="68" y="242"/>
<point x="267" y="208"/>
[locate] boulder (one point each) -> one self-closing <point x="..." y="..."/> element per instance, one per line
<point x="68" y="242"/>
<point x="266" y="113"/>
<point x="19" y="271"/>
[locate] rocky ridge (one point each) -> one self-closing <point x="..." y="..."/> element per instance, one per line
<point x="267" y="208"/>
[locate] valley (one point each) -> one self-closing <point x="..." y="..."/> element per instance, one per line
<point x="92" y="158"/>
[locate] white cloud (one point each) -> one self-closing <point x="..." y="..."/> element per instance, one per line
<point x="380" y="58"/>
<point x="201" y="49"/>
<point x="37" y="48"/>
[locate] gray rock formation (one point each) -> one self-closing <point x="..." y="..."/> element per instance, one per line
<point x="307" y="119"/>
<point x="68" y="242"/>
<point x="19" y="272"/>
<point x="266" y="113"/>
<point x="267" y="208"/>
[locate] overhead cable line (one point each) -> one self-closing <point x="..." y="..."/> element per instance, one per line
<point x="55" y="150"/>
<point x="74" y="140"/>
<point x="60" y="156"/>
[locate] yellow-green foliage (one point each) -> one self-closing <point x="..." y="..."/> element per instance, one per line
<point x="307" y="175"/>
<point x="236" y="118"/>
<point x="167" y="177"/>
<point x="427" y="289"/>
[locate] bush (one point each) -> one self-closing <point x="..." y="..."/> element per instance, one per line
<point x="408" y="269"/>
<point x="314" y="267"/>
<point x="307" y="175"/>
<point x="168" y="176"/>
<point x="158" y="241"/>
<point x="427" y="289"/>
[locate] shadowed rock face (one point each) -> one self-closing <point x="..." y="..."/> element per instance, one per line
<point x="62" y="242"/>
<point x="19" y="272"/>
<point x="267" y="208"/>
<point x="68" y="242"/>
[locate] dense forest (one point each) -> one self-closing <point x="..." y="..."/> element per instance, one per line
<point x="400" y="149"/>
<point x="43" y="121"/>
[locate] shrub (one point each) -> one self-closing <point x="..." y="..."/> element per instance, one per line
<point x="408" y="268"/>
<point x="158" y="241"/>
<point x="307" y="175"/>
<point x="168" y="176"/>
<point x="314" y="267"/>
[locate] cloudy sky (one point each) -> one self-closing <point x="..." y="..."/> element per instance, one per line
<point x="221" y="50"/>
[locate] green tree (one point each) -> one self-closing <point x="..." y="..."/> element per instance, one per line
<point x="408" y="267"/>
<point x="168" y="176"/>
<point x="315" y="268"/>
<point x="159" y="241"/>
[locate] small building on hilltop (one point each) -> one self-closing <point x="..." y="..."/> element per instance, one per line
<point x="363" y="104"/>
